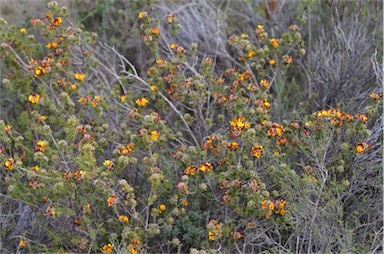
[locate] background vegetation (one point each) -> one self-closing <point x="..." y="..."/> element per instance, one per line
<point x="191" y="127"/>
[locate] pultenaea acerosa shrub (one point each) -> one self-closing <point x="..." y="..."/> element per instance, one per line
<point x="184" y="158"/>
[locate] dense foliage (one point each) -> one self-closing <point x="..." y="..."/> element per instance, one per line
<point x="208" y="127"/>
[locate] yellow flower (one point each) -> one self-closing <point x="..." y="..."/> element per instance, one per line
<point x="274" y="42"/>
<point x="37" y="72"/>
<point x="73" y="86"/>
<point x="123" y="218"/>
<point x="79" y="76"/>
<point x="155" y="135"/>
<point x="361" y="147"/>
<point x="154" y="88"/>
<point x="9" y="163"/>
<point x="123" y="98"/>
<point x="173" y="46"/>
<point x="35" y="98"/>
<point x="8" y="128"/>
<point x="36" y="169"/>
<point x="272" y="62"/>
<point x="107" y="162"/>
<point x="143" y="14"/>
<point x="141" y="102"/>
<point x="23" y="30"/>
<point x="251" y="53"/>
<point x="265" y="83"/>
<point x="210" y="236"/>
<point x="108" y="248"/>
<point x="162" y="207"/>
<point x="23" y="243"/>
<point x="53" y="45"/>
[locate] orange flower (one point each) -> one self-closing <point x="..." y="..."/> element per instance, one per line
<point x="361" y="147"/>
<point x="257" y="151"/>
<point x="8" y="128"/>
<point x="275" y="130"/>
<point x="56" y="21"/>
<point x="155" y="31"/>
<point x="112" y="200"/>
<point x="141" y="102"/>
<point x="281" y="141"/>
<point x="274" y="42"/>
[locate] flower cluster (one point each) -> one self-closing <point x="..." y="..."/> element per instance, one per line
<point x="214" y="230"/>
<point x="275" y="130"/>
<point x="108" y="248"/>
<point x="276" y="206"/>
<point x="237" y="126"/>
<point x="212" y="144"/>
<point x="376" y="96"/>
<point x="86" y="99"/>
<point x="233" y="146"/>
<point x="40" y="146"/>
<point x="78" y="175"/>
<point x="126" y="150"/>
<point x="204" y="167"/>
<point x="336" y="116"/>
<point x="135" y="246"/>
<point x="123" y="218"/>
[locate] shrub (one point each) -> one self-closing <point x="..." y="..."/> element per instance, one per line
<point x="97" y="157"/>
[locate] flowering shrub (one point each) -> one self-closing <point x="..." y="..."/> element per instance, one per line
<point x="183" y="158"/>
